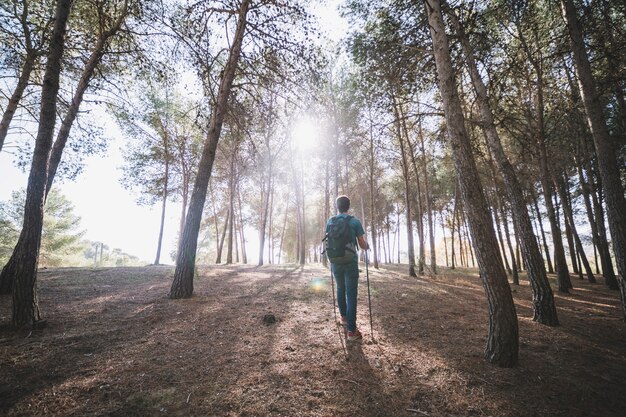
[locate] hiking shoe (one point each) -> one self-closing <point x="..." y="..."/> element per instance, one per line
<point x="355" y="335"/>
<point x="343" y="322"/>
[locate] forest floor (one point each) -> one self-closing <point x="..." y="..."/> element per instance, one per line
<point x="116" y="346"/>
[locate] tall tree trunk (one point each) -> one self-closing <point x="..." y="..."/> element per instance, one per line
<point x="220" y="243"/>
<point x="265" y="198"/>
<point x="445" y="244"/>
<point x="454" y="210"/>
<point x="182" y="286"/>
<point x="372" y="184"/>
<point x="407" y="199"/>
<point x="607" y="160"/>
<point x="244" y="256"/>
<point x="326" y="203"/>
<point x="569" y="218"/>
<point x="429" y="207"/>
<point x="21" y="269"/>
<point x="231" y="209"/>
<point x="157" y="258"/>
<point x="560" y="262"/>
<point x="543" y="233"/>
<point x="419" y="213"/>
<point x="569" y="234"/>
<point x="603" y="248"/>
<point x="512" y="252"/>
<point x="270" y="224"/>
<point x="282" y="233"/>
<point x="502" y="342"/>
<point x="496" y="216"/>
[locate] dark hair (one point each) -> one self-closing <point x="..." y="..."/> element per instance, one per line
<point x="343" y="203"/>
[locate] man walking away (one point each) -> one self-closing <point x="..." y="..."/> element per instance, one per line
<point x="342" y="233"/>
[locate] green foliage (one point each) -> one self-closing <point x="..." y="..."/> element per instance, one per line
<point x="61" y="236"/>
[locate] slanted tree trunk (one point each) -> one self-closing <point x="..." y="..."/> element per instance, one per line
<point x="544" y="310"/>
<point x="21" y="269"/>
<point x="502" y="342"/>
<point x="222" y="239"/>
<point x="22" y="83"/>
<point x="607" y="160"/>
<point x="182" y="286"/>
<point x="98" y="52"/>
<point x="32" y="53"/>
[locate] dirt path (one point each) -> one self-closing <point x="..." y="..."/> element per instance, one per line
<point x="116" y="346"/>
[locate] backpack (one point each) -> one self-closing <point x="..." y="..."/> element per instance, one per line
<point x="339" y="245"/>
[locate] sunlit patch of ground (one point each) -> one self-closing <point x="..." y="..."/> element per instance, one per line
<point x="116" y="346"/>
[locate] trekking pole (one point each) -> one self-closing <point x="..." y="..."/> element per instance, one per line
<point x="369" y="296"/>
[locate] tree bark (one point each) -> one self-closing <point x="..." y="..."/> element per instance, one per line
<point x="502" y="342"/>
<point x="607" y="160"/>
<point x="182" y="286"/>
<point x="21" y="269"/>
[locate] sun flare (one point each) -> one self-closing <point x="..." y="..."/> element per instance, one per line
<point x="305" y="135"/>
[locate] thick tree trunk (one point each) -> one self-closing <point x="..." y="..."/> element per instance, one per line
<point x="21" y="268"/>
<point x="182" y="286"/>
<point x="502" y="342"/>
<point x="607" y="160"/>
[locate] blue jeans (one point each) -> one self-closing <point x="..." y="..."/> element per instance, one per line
<point x="347" y="279"/>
